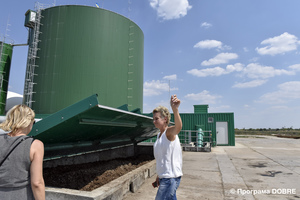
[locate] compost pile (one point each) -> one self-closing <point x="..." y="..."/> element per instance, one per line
<point x="87" y="177"/>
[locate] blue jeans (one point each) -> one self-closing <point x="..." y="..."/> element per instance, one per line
<point x="167" y="188"/>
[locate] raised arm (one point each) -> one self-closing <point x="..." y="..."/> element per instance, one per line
<point x="36" y="170"/>
<point x="174" y="130"/>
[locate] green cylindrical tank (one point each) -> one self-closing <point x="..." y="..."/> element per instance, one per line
<point x="84" y="51"/>
<point x="6" y="51"/>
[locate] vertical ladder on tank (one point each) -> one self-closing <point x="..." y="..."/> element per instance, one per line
<point x="130" y="75"/>
<point x="1" y="72"/>
<point x="32" y="56"/>
<point x="3" y="62"/>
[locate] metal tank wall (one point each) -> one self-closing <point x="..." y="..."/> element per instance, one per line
<point x="6" y="51"/>
<point x="87" y="50"/>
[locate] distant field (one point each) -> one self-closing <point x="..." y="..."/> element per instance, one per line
<point x="283" y="132"/>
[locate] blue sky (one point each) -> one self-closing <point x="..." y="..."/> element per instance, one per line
<point x="240" y="56"/>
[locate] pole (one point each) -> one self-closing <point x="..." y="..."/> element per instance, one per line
<point x="169" y="94"/>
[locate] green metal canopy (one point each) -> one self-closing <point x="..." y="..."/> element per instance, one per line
<point x="87" y="126"/>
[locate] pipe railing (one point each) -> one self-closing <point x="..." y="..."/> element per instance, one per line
<point x="198" y="139"/>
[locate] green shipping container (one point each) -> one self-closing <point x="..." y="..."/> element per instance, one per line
<point x="6" y="56"/>
<point x="221" y="126"/>
<point x="84" y="51"/>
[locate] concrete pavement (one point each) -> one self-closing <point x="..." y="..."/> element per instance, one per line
<point x="260" y="168"/>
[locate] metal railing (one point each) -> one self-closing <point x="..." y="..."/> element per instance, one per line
<point x="196" y="140"/>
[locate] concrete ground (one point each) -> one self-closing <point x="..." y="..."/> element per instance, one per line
<point x="260" y="168"/>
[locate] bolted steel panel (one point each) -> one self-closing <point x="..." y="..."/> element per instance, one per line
<point x="87" y="50"/>
<point x="6" y="51"/>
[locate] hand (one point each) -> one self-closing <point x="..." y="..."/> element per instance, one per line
<point x="175" y="102"/>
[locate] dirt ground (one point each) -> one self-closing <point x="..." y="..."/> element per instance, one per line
<point x="90" y="176"/>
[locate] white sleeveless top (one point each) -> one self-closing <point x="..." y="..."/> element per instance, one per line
<point x="168" y="156"/>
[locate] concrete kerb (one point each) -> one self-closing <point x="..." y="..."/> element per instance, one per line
<point x="230" y="176"/>
<point x="116" y="189"/>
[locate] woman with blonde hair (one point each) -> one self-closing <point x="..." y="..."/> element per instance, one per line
<point x="21" y="157"/>
<point x="167" y="151"/>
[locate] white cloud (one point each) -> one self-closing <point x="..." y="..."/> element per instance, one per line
<point x="287" y="91"/>
<point x="236" y="67"/>
<point x="156" y="87"/>
<point x="257" y="71"/>
<point x="279" y="44"/>
<point x="295" y="67"/>
<point x="250" y="84"/>
<point x="216" y="71"/>
<point x="253" y="70"/>
<point x="203" y="97"/>
<point x="206" y="25"/>
<point x="170" y="9"/>
<point x="208" y="44"/>
<point x="171" y="77"/>
<point x="221" y="58"/>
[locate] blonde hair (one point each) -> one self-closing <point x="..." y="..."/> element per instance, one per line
<point x="18" y="117"/>
<point x="164" y="112"/>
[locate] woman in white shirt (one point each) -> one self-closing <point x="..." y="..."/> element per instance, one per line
<point x="167" y="151"/>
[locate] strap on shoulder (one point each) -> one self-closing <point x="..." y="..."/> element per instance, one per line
<point x="24" y="138"/>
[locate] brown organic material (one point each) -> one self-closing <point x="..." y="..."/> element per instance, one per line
<point x="90" y="176"/>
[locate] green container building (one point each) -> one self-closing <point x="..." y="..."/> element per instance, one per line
<point x="6" y="51"/>
<point x="83" y="51"/>
<point x="220" y="125"/>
